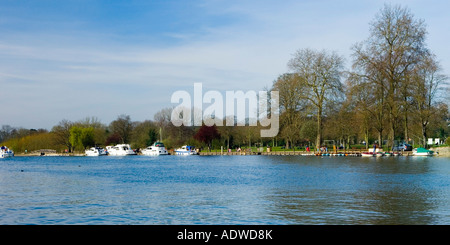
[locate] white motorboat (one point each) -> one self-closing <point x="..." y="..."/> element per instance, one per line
<point x="120" y="150"/>
<point x="92" y="152"/>
<point x="186" y="151"/>
<point x="5" y="152"/>
<point x="95" y="151"/>
<point x="155" y="150"/>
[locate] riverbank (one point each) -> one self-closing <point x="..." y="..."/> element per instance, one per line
<point x="289" y="153"/>
<point x="442" y="151"/>
<point x="48" y="154"/>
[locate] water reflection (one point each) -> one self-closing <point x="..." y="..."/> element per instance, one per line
<point x="361" y="191"/>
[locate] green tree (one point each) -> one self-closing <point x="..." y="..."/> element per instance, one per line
<point x="87" y="137"/>
<point x="81" y="138"/>
<point x="152" y="136"/>
<point x="143" y="134"/>
<point x="75" y="137"/>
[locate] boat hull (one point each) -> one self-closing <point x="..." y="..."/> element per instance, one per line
<point x="423" y="154"/>
<point x="92" y="154"/>
<point x="185" y="153"/>
<point x="154" y="153"/>
<point x="367" y="154"/>
<point x="121" y="153"/>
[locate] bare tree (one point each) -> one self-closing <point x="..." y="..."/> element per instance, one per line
<point x="426" y="82"/>
<point x="291" y="103"/>
<point x="62" y="133"/>
<point x="6" y="132"/>
<point x="369" y="96"/>
<point x="396" y="45"/>
<point x="319" y="79"/>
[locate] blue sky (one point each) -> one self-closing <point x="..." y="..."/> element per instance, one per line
<point x="76" y="59"/>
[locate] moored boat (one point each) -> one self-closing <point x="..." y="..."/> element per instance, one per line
<point x="367" y="154"/>
<point x="186" y="150"/>
<point x="120" y="150"/>
<point x="5" y="152"/>
<point x="422" y="152"/>
<point x="156" y="149"/>
<point x="379" y="154"/>
<point x="92" y="152"/>
<point x="95" y="151"/>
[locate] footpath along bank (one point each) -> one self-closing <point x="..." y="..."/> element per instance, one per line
<point x="442" y="151"/>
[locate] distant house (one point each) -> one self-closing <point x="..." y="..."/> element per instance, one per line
<point x="436" y="141"/>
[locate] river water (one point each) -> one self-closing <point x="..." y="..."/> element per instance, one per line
<point x="248" y="190"/>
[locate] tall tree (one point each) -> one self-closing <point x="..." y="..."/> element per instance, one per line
<point x="396" y="45"/>
<point x="75" y="137"/>
<point x="426" y="82"/>
<point x="319" y="78"/>
<point x="370" y="100"/>
<point x="291" y="104"/>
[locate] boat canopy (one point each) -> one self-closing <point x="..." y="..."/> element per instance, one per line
<point x="422" y="150"/>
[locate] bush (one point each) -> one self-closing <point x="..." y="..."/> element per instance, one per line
<point x="33" y="142"/>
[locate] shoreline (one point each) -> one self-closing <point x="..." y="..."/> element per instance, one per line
<point x="440" y="152"/>
<point x="445" y="153"/>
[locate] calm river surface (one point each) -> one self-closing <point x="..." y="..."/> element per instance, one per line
<point x="225" y="190"/>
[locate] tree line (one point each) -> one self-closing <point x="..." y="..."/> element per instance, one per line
<point x="394" y="92"/>
<point x="69" y="136"/>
